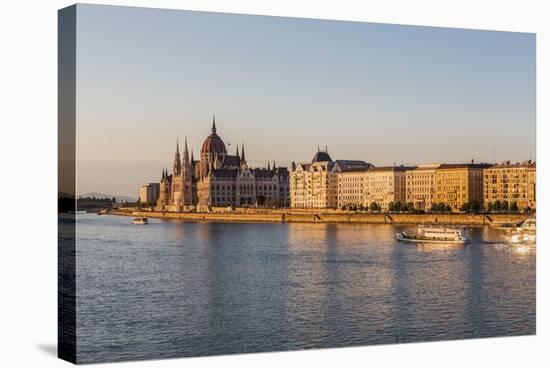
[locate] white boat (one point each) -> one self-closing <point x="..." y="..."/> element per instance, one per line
<point x="435" y="234"/>
<point x="140" y="221"/>
<point x="529" y="225"/>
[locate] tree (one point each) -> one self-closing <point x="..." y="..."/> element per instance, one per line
<point x="489" y="207"/>
<point x="410" y="206"/>
<point x="497" y="206"/>
<point x="374" y="206"/>
<point x="465" y="207"/>
<point x="360" y="207"/>
<point x="504" y="206"/>
<point x="344" y="207"/>
<point x="475" y="206"/>
<point x="397" y="206"/>
<point x="390" y="206"/>
<point x="514" y="207"/>
<point x="448" y="208"/>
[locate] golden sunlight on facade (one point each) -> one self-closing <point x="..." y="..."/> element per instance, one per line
<point x="420" y="186"/>
<point x="510" y="183"/>
<point x="458" y="184"/>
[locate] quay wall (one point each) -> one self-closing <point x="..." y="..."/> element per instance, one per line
<point x="332" y="217"/>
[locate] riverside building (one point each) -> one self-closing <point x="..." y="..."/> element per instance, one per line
<point x="220" y="179"/>
<point x="365" y="186"/>
<point x="457" y="184"/>
<point x="420" y="186"/>
<point x="513" y="183"/>
<point x="149" y="193"/>
<point x="384" y="185"/>
<point x="315" y="184"/>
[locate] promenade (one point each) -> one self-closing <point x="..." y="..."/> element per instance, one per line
<point x="330" y="216"/>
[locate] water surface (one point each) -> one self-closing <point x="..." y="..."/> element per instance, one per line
<point x="171" y="289"/>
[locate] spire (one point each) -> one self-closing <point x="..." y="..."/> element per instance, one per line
<point x="318" y="148"/>
<point x="163" y="177"/>
<point x="242" y="153"/>
<point x="192" y="159"/>
<point x="177" y="161"/>
<point x="274" y="167"/>
<point x="237" y="151"/>
<point x="214" y="123"/>
<point x="326" y="149"/>
<point x="268" y="166"/>
<point x="185" y="153"/>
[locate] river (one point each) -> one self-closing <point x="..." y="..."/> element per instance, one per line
<point x="171" y="289"/>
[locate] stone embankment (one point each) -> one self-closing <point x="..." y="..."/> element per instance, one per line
<point x="331" y="217"/>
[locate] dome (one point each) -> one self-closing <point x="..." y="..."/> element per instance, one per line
<point x="213" y="143"/>
<point x="321" y="156"/>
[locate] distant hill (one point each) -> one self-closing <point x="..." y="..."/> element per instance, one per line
<point x="119" y="198"/>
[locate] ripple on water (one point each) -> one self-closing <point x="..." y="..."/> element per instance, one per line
<point x="173" y="289"/>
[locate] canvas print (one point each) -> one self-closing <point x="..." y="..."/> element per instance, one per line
<point x="238" y="183"/>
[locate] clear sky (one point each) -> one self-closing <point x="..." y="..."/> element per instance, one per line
<point x="376" y="92"/>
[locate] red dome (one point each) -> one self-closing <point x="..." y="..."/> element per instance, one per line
<point x="213" y="143"/>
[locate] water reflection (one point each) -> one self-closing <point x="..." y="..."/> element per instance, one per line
<point x="173" y="288"/>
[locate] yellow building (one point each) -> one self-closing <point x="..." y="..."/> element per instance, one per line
<point x="532" y="185"/>
<point x="315" y="184"/>
<point x="351" y="188"/>
<point x="384" y="185"/>
<point x="457" y="184"/>
<point x="420" y="186"/>
<point x="510" y="183"/>
<point x="380" y="185"/>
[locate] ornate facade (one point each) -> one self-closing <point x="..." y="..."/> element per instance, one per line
<point x="457" y="184"/>
<point x="219" y="179"/>
<point x="510" y="183"/>
<point x="380" y="185"/>
<point x="420" y="186"/>
<point x="315" y="184"/>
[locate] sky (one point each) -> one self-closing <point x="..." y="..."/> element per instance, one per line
<point x="375" y="92"/>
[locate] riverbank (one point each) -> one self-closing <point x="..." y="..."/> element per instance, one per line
<point x="332" y="217"/>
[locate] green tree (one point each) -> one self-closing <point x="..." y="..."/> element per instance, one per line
<point x="344" y="207"/>
<point x="447" y="208"/>
<point x="489" y="207"/>
<point x="475" y="206"/>
<point x="497" y="206"/>
<point x="397" y="206"/>
<point x="465" y="207"/>
<point x="390" y="206"/>
<point x="514" y="207"/>
<point x="504" y="206"/>
<point x="374" y="206"/>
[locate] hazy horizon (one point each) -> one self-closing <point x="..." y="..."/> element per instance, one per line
<point x="375" y="92"/>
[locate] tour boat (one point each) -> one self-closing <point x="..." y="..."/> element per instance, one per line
<point x="529" y="225"/>
<point x="434" y="234"/>
<point x="140" y="221"/>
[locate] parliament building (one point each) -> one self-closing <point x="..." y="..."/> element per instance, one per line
<point x="218" y="179"/>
